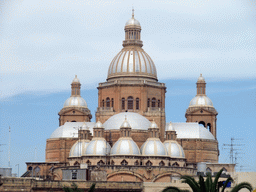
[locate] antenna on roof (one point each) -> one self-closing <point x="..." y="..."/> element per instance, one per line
<point x="9" y="152"/>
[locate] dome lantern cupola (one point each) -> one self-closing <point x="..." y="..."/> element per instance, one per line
<point x="173" y="148"/>
<point x="153" y="146"/>
<point x="125" y="144"/>
<point x="98" y="146"/>
<point x="75" y="87"/>
<point x="132" y="60"/>
<point x="125" y="129"/>
<point x="153" y="130"/>
<point x="132" y="32"/>
<point x="200" y="85"/>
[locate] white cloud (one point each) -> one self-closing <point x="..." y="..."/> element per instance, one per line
<point x="43" y="44"/>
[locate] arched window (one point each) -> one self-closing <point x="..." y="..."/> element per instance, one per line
<point x="107" y="102"/>
<point x="148" y="102"/>
<point x="123" y="103"/>
<point x="103" y="103"/>
<point x="112" y="102"/>
<point x="209" y="127"/>
<point x="202" y="123"/>
<point x="153" y="102"/>
<point x="159" y="104"/>
<point x="137" y="103"/>
<point x="124" y="163"/>
<point x="130" y="102"/>
<point x="148" y="163"/>
<point x="30" y="168"/>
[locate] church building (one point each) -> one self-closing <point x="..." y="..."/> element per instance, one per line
<point x="131" y="139"/>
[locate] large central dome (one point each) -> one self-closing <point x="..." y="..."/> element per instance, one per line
<point x="132" y="60"/>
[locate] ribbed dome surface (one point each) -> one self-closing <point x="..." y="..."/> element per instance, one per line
<point x="132" y="61"/>
<point x="199" y="101"/>
<point x="98" y="146"/>
<point x="75" y="102"/>
<point x="153" y="147"/>
<point x="174" y="149"/>
<point x="125" y="146"/>
<point x="79" y="148"/>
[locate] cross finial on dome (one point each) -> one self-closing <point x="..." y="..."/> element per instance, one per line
<point x="132" y="12"/>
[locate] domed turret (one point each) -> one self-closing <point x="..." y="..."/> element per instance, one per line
<point x="201" y="108"/>
<point x="201" y="99"/>
<point x="153" y="146"/>
<point x="79" y="148"/>
<point x="173" y="148"/>
<point x="125" y="144"/>
<point x="132" y="60"/>
<point x="75" y="100"/>
<point x="98" y="146"/>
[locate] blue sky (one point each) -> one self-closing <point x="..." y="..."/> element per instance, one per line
<point x="43" y="44"/>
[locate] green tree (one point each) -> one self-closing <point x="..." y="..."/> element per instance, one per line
<point x="73" y="188"/>
<point x="209" y="185"/>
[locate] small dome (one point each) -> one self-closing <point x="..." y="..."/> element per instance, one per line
<point x="132" y="21"/>
<point x="191" y="131"/>
<point x="76" y="80"/>
<point x="98" y="146"/>
<point x="201" y="78"/>
<point x="170" y="127"/>
<point x="153" y="147"/>
<point x="70" y="130"/>
<point x="75" y="102"/>
<point x="174" y="149"/>
<point x="135" y="120"/>
<point x="84" y="126"/>
<point x="132" y="62"/>
<point x="98" y="125"/>
<point x="201" y="100"/>
<point x="153" y="125"/>
<point x="125" y="124"/>
<point x="79" y="148"/>
<point x="125" y="146"/>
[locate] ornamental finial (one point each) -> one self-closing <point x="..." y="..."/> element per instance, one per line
<point x="132" y="12"/>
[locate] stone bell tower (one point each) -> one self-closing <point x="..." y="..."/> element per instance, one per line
<point x="75" y="107"/>
<point x="201" y="108"/>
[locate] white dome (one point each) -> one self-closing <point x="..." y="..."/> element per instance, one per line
<point x="75" y="102"/>
<point x="199" y="101"/>
<point x="170" y="127"/>
<point x="135" y="120"/>
<point x="70" y="130"/>
<point x="174" y="149"/>
<point x="79" y="148"/>
<point x="153" y="125"/>
<point x="132" y="21"/>
<point x="98" y="125"/>
<point x="132" y="61"/>
<point x="191" y="131"/>
<point x="200" y="78"/>
<point x="153" y="147"/>
<point x="98" y="146"/>
<point x="125" y="146"/>
<point x="76" y="80"/>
